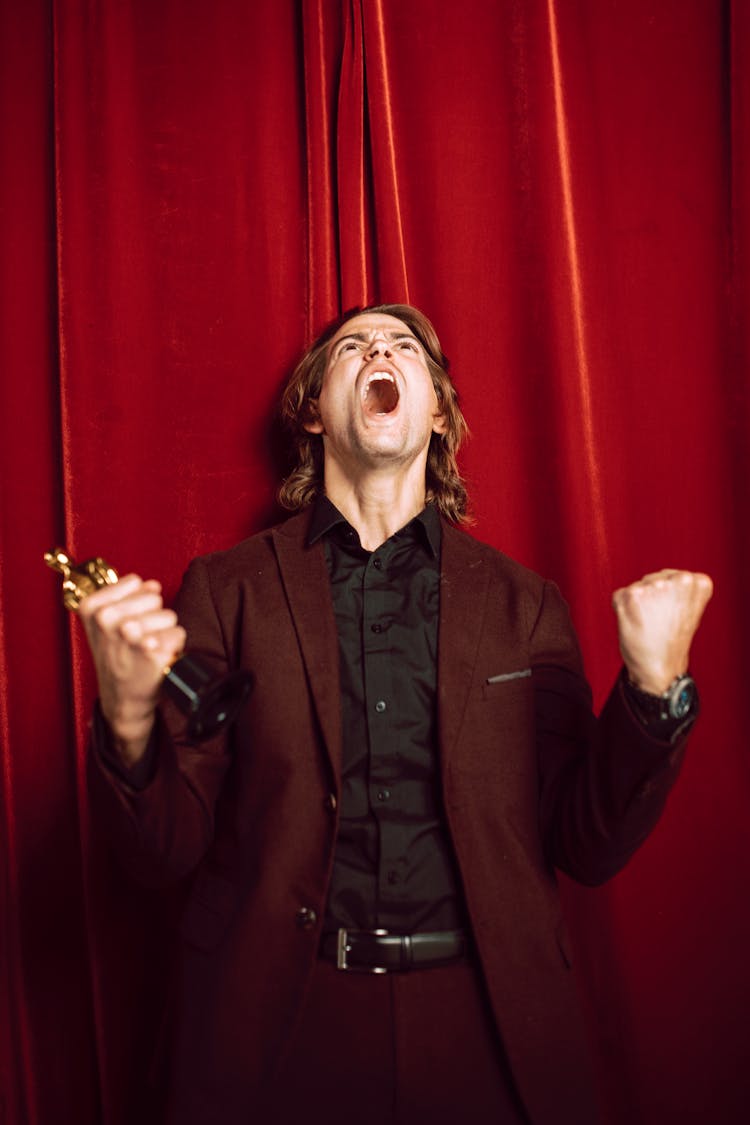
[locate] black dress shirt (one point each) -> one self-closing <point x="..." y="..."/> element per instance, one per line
<point x="393" y="865"/>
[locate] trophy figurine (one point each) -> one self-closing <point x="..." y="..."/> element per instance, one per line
<point x="209" y="701"/>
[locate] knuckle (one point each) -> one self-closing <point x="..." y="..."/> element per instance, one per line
<point x="104" y="616"/>
<point x="130" y="628"/>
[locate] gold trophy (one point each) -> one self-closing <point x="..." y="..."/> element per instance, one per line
<point x="208" y="700"/>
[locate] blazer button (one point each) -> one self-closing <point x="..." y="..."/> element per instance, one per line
<point x="306" y="918"/>
<point x="330" y="802"/>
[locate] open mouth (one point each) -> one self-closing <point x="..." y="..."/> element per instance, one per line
<point x="381" y="393"/>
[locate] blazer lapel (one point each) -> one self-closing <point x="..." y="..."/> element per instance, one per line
<point x="464" y="578"/>
<point x="308" y="590"/>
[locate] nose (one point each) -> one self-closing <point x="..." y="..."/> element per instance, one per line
<point x="378" y="346"/>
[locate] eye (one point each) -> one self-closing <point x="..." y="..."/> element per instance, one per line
<point x="348" y="346"/>
<point x="408" y="345"/>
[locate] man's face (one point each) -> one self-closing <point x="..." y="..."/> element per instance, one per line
<point x="377" y="404"/>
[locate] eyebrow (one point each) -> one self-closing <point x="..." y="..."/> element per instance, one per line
<point x="363" y="336"/>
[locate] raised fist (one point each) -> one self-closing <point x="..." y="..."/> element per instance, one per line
<point x="657" y="618"/>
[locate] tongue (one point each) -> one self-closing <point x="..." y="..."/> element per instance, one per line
<point x="381" y="397"/>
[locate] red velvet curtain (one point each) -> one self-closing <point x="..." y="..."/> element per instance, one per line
<point x="189" y="191"/>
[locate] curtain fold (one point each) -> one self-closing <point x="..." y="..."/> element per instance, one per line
<point x="388" y="224"/>
<point x="737" y="130"/>
<point x="321" y="53"/>
<point x="41" y="887"/>
<point x="579" y="427"/>
<point x="352" y="165"/>
<point x="190" y="193"/>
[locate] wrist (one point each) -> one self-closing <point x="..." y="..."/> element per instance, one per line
<point x="131" y="747"/>
<point x="678" y="702"/>
<point x="653" y="681"/>
<point x="131" y="728"/>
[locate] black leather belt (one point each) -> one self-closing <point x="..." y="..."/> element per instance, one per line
<point x="378" y="951"/>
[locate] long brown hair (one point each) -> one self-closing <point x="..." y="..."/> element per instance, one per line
<point x="444" y="484"/>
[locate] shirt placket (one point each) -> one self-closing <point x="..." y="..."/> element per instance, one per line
<point x="379" y="603"/>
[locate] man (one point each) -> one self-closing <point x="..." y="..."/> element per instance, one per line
<point x="372" y="931"/>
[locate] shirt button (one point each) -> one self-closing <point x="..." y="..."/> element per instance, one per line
<point x="377" y="628"/>
<point x="377" y="564"/>
<point x="330" y="802"/>
<point x="383" y="794"/>
<point x="380" y="706"/>
<point x="306" y="918"/>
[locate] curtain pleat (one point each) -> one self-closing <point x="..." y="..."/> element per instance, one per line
<point x="16" y="1062"/>
<point x="45" y="1010"/>
<point x="579" y="415"/>
<point x="737" y="53"/>
<point x="352" y="163"/>
<point x="321" y="36"/>
<point x="391" y="250"/>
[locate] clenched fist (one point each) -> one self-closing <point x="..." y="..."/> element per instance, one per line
<point x="657" y="619"/>
<point x="132" y="638"/>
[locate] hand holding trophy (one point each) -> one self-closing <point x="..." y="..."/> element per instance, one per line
<point x="209" y="701"/>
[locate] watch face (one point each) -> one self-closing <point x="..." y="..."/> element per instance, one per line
<point x="682" y="699"/>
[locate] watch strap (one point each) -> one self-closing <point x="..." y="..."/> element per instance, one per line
<point x="666" y="715"/>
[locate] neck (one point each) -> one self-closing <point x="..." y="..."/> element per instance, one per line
<point x="377" y="504"/>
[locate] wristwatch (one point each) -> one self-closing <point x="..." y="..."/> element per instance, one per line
<point x="678" y="703"/>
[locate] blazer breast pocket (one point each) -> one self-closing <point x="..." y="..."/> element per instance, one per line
<point x="502" y="683"/>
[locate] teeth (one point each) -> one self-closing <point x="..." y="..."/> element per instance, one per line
<point x="377" y="375"/>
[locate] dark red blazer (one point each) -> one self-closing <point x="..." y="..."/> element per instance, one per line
<point x="531" y="782"/>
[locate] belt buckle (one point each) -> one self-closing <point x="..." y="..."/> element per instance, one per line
<point x="343" y="948"/>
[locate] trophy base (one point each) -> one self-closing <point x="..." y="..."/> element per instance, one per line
<point x="208" y="701"/>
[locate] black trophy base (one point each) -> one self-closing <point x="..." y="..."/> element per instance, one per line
<point x="209" y="701"/>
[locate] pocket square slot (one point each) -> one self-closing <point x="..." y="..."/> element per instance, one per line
<point x="505" y="676"/>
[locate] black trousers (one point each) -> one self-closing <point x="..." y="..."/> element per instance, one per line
<point x="414" y="1048"/>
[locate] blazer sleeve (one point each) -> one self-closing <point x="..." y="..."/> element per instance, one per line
<point x="162" y="826"/>
<point x="603" y="781"/>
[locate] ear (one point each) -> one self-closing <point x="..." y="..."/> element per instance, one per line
<point x="313" y="425"/>
<point x="439" y="424"/>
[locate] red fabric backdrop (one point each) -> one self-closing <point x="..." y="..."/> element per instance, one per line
<point x="188" y="192"/>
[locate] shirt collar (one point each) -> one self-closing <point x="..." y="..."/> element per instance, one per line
<point x="326" y="516"/>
